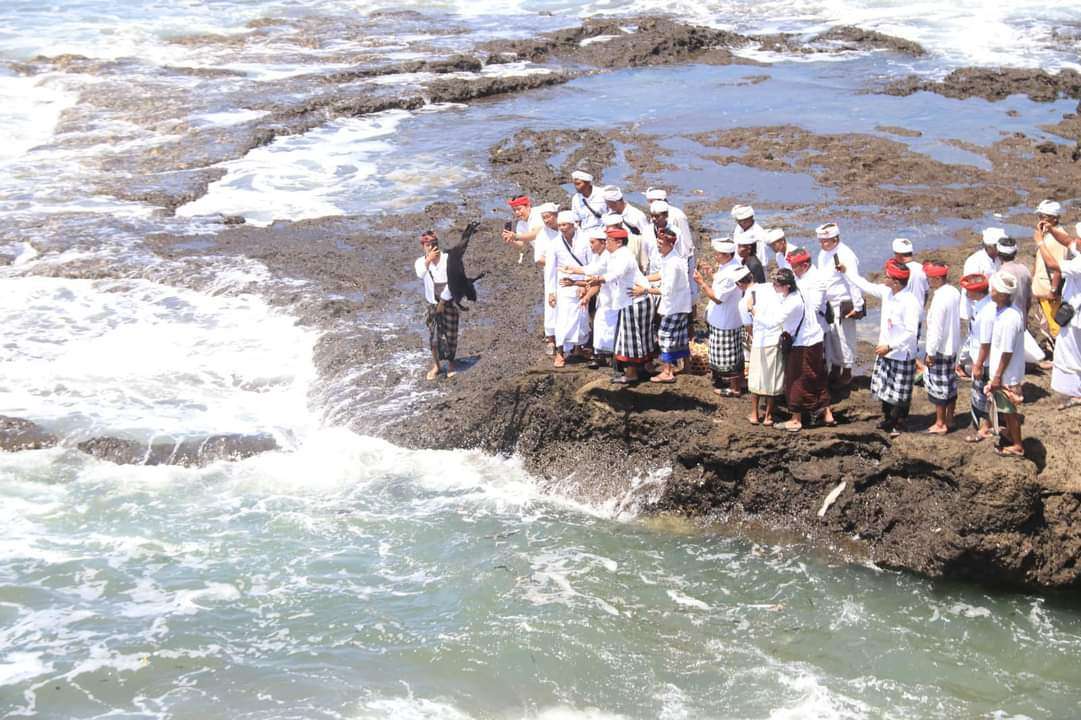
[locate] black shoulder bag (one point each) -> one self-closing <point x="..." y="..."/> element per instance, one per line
<point x="787" y="340"/>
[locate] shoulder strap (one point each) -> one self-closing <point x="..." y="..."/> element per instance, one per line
<point x="585" y="201"/>
<point x="568" y="246"/>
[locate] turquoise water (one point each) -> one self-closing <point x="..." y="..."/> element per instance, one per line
<point x="343" y="577"/>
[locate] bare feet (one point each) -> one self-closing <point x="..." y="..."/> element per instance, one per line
<point x="663" y="378"/>
<point x="753" y="419"/>
<point x="433" y="373"/>
<point x="560" y="361"/>
<point x="938" y="429"/>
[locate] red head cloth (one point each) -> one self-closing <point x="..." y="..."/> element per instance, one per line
<point x="797" y="256"/>
<point x="519" y="201"/>
<point x="975" y="281"/>
<point x="617" y="233"/>
<point x="896" y="270"/>
<point x="931" y="270"/>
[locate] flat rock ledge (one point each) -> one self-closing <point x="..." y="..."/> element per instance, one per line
<point x="935" y="506"/>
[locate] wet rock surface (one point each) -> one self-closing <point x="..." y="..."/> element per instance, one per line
<point x="995" y="84"/>
<point x="195" y="452"/>
<point x="17" y="434"/>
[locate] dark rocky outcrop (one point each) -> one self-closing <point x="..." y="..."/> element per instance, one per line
<point x="994" y="84"/>
<point x="850" y="37"/>
<point x="191" y="453"/>
<point x="17" y="434"/>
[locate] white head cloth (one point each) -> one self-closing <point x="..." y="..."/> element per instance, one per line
<point x="656" y="194"/>
<point x="581" y="175"/>
<point x="991" y="236"/>
<point x="597" y="233"/>
<point x="1010" y="248"/>
<point x="1049" y="207"/>
<point x="742" y="212"/>
<point x="1004" y="282"/>
<point x="902" y="246"/>
<point x="548" y="208"/>
<point x="658" y="206"/>
<point x="565" y="216"/>
<point x="610" y="219"/>
<point x="747" y="239"/>
<point x="828" y="231"/>
<point x="612" y="194"/>
<point x="723" y="245"/>
<point x="739" y="273"/>
<point x="774" y="234"/>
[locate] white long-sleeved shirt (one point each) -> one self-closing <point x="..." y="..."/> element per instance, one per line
<point x="1071" y="288"/>
<point x="917" y="282"/>
<point x="979" y="330"/>
<point x="546" y="237"/>
<point x="838" y="287"/>
<point x="675" y="285"/>
<point x="724" y="315"/>
<point x="431" y="275"/>
<point x="757" y="232"/>
<point x="813" y="292"/>
<point x="978" y="263"/>
<point x="773" y="314"/>
<point x="598" y="266"/>
<point x="900" y="323"/>
<point x="944" y="322"/>
<point x="589" y="218"/>
<point x="622" y="273"/>
<point x="563" y="252"/>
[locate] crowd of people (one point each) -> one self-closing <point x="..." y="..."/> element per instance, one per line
<point x="620" y="288"/>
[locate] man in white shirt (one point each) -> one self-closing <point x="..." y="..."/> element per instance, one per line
<point x="983" y="262"/>
<point x="895" y="363"/>
<point x="587" y="203"/>
<point x="675" y="306"/>
<point x="677" y="219"/>
<point x="527" y="223"/>
<point x="917" y="281"/>
<point x="806" y="376"/>
<point x="640" y="238"/>
<point x="606" y="317"/>
<point x="1007" y="362"/>
<point x="978" y="347"/>
<point x="778" y="243"/>
<point x="442" y="314"/>
<point x="943" y="344"/>
<point x="548" y="234"/>
<point x="572" y="320"/>
<point x="749" y="232"/>
<point x="1066" y="369"/>
<point x="1007" y="253"/>
<point x="845" y="300"/>
<point x="724" y="320"/>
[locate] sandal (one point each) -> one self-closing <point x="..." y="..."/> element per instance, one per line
<point x="623" y="380"/>
<point x="662" y="379"/>
<point x="549" y="349"/>
<point x="1009" y="451"/>
<point x="792" y="428"/>
<point x="753" y="420"/>
<point x="433" y="374"/>
<point x="977" y="438"/>
<point x="768" y="422"/>
<point x="1072" y="402"/>
<point x="936" y="431"/>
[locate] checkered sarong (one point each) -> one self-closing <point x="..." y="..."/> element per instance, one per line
<point x="443" y="331"/>
<point x="980" y="408"/>
<point x="634" y="335"/>
<point x="941" y="379"/>
<point x="891" y="381"/>
<point x="673" y="338"/>
<point x="726" y="350"/>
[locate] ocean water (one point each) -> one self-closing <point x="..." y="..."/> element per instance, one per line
<point x="343" y="577"/>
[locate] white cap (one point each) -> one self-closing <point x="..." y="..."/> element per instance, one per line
<point x="597" y="233"/>
<point x="739" y="273"/>
<point x="991" y="236"/>
<point x="723" y="245"/>
<point x="747" y="239"/>
<point x="580" y="175"/>
<point x="565" y="216"/>
<point x="1006" y="246"/>
<point x="902" y="246"/>
<point x="612" y="193"/>
<point x="610" y="219"/>
<point x="658" y="206"/>
<point x="742" y="212"/>
<point x="774" y="234"/>
<point x="656" y="194"/>
<point x="1004" y="282"/>
<point x="827" y="231"/>
<point x="1049" y="207"/>
<point x="548" y="208"/>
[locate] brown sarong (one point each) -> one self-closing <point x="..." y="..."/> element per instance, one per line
<point x="806" y="379"/>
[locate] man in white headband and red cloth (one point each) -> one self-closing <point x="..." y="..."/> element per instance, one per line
<point x="845" y="299"/>
<point x="895" y="354"/>
<point x="943" y="345"/>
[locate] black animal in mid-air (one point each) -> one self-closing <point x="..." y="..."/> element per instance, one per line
<point x="461" y="287"/>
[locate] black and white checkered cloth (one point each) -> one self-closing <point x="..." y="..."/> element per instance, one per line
<point x="634" y="335"/>
<point x="443" y="331"/>
<point x="726" y="350"/>
<point x="941" y="379"/>
<point x="673" y="338"/>
<point x="892" y="380"/>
